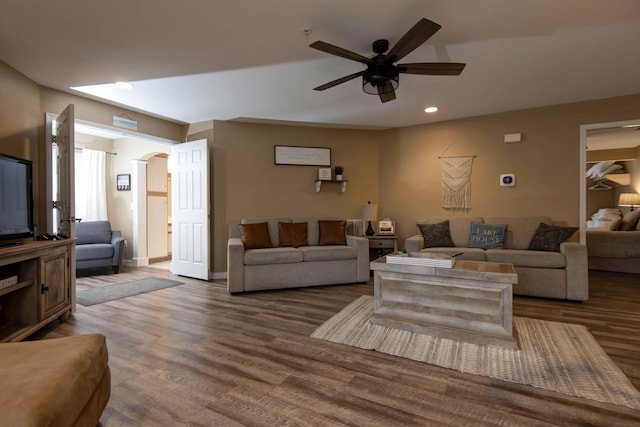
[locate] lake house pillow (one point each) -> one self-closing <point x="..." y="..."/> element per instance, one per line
<point x="487" y="236"/>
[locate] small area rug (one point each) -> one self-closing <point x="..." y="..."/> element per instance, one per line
<point x="554" y="356"/>
<point x="102" y="294"/>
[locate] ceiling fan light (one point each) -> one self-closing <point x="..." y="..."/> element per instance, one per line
<point x="371" y="86"/>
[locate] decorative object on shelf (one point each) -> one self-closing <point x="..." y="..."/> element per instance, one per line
<point x="338" y="170"/>
<point x="324" y="174"/>
<point x="123" y="182"/>
<point x="386" y="227"/>
<point x="369" y="213"/>
<point x="302" y="156"/>
<point x="629" y="199"/>
<point x="456" y="182"/>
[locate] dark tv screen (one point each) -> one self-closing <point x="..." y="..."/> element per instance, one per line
<point x="16" y="198"/>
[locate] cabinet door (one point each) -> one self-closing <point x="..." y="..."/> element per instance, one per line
<point x="53" y="282"/>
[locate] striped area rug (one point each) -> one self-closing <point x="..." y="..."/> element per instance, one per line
<point x="554" y="356"/>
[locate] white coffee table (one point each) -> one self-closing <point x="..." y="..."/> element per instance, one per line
<point x="470" y="302"/>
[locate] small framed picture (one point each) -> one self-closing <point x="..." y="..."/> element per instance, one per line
<point x="386" y="226"/>
<point x="123" y="182"/>
<point x="324" y="174"/>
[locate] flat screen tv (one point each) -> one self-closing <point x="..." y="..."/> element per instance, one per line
<point x="16" y="198"/>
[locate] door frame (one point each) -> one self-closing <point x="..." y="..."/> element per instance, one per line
<point x="138" y="187"/>
<point x="583" y="168"/>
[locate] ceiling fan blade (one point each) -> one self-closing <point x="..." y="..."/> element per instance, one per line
<point x="432" y="68"/>
<point x="338" y="51"/>
<point x="386" y="97"/>
<point x="338" y="81"/>
<point x="417" y="35"/>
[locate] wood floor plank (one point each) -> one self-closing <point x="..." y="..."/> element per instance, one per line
<point x="195" y="355"/>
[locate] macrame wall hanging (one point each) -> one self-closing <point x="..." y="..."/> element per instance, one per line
<point x="456" y="182"/>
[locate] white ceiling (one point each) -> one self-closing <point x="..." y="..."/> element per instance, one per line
<point x="192" y="61"/>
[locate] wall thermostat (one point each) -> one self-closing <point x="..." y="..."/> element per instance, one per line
<point x="507" y="180"/>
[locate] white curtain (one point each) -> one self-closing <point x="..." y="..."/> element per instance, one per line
<point x="91" y="185"/>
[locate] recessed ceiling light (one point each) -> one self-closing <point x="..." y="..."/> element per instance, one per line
<point x="431" y="109"/>
<point x="124" y="85"/>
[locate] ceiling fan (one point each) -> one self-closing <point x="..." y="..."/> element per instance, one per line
<point x="381" y="76"/>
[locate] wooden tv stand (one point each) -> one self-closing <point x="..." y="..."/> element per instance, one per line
<point x="42" y="288"/>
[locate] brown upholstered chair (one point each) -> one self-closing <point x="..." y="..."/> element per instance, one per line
<point x="54" y="382"/>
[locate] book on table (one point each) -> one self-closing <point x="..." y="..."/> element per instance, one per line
<point x="429" y="259"/>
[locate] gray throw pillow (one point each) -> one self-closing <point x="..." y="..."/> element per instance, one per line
<point x="548" y="237"/>
<point x="487" y="236"/>
<point x="630" y="220"/>
<point x="436" y="235"/>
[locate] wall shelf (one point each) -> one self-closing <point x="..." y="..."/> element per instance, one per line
<point x="619" y="178"/>
<point x="319" y="182"/>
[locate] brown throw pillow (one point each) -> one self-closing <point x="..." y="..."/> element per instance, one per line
<point x="332" y="232"/>
<point x="436" y="235"/>
<point x="548" y="237"/>
<point x="255" y="236"/>
<point x="630" y="220"/>
<point x="292" y="234"/>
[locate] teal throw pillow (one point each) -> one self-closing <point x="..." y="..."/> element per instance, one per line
<point x="487" y="236"/>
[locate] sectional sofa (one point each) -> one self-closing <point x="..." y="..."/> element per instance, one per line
<point x="561" y="274"/>
<point x="276" y="264"/>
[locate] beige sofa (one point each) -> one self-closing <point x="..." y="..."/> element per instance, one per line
<point x="289" y="267"/>
<point x="561" y="275"/>
<point x="615" y="245"/>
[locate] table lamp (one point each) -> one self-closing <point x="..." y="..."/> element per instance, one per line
<point x="629" y="199"/>
<point x="369" y="213"/>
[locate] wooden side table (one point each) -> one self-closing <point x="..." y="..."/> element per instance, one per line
<point x="381" y="245"/>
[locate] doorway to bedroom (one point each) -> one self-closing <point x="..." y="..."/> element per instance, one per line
<point x="610" y="167"/>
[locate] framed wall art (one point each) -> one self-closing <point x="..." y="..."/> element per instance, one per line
<point x="123" y="182"/>
<point x="302" y="156"/>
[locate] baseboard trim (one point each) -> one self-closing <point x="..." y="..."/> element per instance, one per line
<point x="220" y="275"/>
<point x="136" y="262"/>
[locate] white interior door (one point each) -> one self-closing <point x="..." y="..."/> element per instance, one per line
<point x="61" y="195"/>
<point x="189" y="167"/>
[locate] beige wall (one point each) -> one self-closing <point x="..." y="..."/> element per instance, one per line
<point x="247" y="183"/>
<point x="399" y="168"/>
<point x="20" y="120"/>
<point x="54" y="101"/>
<point x="546" y="162"/>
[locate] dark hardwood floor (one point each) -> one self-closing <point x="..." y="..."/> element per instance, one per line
<point x="195" y="355"/>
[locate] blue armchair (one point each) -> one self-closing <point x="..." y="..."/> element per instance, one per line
<point x="98" y="245"/>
